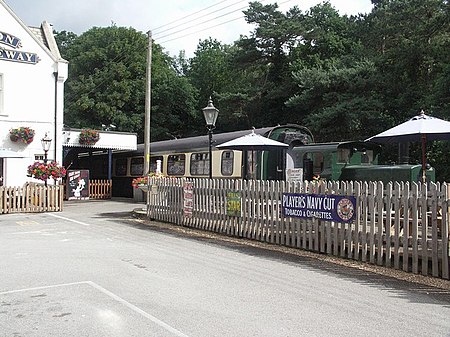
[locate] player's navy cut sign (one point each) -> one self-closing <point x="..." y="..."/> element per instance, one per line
<point x="337" y="208"/>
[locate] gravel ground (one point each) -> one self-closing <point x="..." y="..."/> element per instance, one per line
<point x="426" y="281"/>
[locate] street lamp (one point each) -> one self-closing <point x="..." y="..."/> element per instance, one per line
<point x="210" y="113"/>
<point x="46" y="141"/>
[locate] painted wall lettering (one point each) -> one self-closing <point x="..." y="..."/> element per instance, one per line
<point x="15" y="55"/>
<point x="18" y="56"/>
<point x="10" y="40"/>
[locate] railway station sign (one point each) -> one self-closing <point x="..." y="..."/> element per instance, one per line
<point x="337" y="208"/>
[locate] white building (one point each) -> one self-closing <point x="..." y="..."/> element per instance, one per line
<point x="32" y="75"/>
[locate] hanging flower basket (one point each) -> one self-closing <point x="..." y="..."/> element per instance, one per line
<point x="142" y="182"/>
<point x="88" y="137"/>
<point x="41" y="171"/>
<point x="22" y="134"/>
<point x="139" y="182"/>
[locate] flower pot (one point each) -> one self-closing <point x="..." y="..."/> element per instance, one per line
<point x="143" y="188"/>
<point x="13" y="138"/>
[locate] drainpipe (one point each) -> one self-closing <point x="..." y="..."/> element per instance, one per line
<point x="56" y="112"/>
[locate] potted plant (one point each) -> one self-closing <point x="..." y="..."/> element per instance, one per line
<point x="23" y="134"/>
<point x="44" y="171"/>
<point x="139" y="182"/>
<point x="88" y="137"/>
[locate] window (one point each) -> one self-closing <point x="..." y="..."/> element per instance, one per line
<point x="367" y="157"/>
<point x="343" y="156"/>
<point x="227" y="163"/>
<point x="1" y="95"/>
<point x="199" y="164"/>
<point x="121" y="167"/>
<point x="318" y="163"/>
<point x="137" y="166"/>
<point x="176" y="165"/>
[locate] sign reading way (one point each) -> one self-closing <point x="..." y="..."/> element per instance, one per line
<point x="15" y="55"/>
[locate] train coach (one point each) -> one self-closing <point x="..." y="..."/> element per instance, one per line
<point x="189" y="157"/>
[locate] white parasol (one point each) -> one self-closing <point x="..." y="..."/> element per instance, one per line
<point x="419" y="128"/>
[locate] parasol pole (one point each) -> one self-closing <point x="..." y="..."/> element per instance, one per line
<point x="424" y="145"/>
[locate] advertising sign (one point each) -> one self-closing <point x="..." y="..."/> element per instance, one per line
<point x="337" y="208"/>
<point x="78" y="184"/>
<point x="234" y="203"/>
<point x="188" y="198"/>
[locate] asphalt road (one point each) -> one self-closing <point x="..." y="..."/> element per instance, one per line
<point x="94" y="270"/>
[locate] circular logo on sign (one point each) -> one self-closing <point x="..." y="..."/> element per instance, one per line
<point x="345" y="209"/>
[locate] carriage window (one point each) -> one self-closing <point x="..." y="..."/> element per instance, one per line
<point x="227" y="163"/>
<point x="318" y="163"/>
<point x="367" y="157"/>
<point x="153" y="163"/>
<point x="121" y="167"/>
<point x="199" y="164"/>
<point x="176" y="165"/>
<point x="343" y="155"/>
<point x="137" y="166"/>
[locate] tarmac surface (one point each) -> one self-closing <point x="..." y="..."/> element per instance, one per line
<point x="101" y="269"/>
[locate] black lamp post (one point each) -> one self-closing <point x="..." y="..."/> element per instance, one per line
<point x="46" y="141"/>
<point x="210" y="113"/>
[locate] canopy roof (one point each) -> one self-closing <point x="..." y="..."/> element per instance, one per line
<point x="108" y="140"/>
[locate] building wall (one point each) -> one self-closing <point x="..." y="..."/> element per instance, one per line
<point x="29" y="98"/>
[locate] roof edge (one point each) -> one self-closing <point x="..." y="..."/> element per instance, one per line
<point x="28" y="30"/>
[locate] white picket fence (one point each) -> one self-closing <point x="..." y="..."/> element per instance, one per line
<point x="404" y="226"/>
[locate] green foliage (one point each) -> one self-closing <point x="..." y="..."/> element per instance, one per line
<point x="106" y="84"/>
<point x="343" y="77"/>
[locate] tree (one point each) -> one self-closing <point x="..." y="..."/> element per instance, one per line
<point x="260" y="67"/>
<point x="106" y="84"/>
<point x="336" y="87"/>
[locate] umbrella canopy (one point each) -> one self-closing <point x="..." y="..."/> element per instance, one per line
<point x="419" y="128"/>
<point x="252" y="142"/>
<point x="413" y="129"/>
<point x="4" y="153"/>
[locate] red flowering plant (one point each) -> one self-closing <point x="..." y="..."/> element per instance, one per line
<point x="139" y="181"/>
<point x="23" y="134"/>
<point x="143" y="181"/>
<point x="88" y="137"/>
<point x="41" y="171"/>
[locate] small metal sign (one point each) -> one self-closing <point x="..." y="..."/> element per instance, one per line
<point x="188" y="199"/>
<point x="233" y="203"/>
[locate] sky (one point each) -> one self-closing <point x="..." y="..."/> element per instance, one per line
<point x="175" y="24"/>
